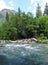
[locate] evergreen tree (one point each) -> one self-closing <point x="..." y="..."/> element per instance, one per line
<point x="38" y="11"/>
<point x="46" y="9"/>
<point x="19" y="11"/>
<point x="7" y="16"/>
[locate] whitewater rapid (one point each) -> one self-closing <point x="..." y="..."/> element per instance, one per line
<point x="23" y="54"/>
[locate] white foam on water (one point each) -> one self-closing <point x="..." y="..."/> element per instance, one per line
<point x="46" y="46"/>
<point x="32" y="48"/>
<point x="23" y="53"/>
<point x="16" y="45"/>
<point x="27" y="46"/>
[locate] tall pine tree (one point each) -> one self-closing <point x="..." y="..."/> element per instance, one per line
<point x="7" y="16"/>
<point x="38" y="11"/>
<point x="46" y="9"/>
<point x="19" y="11"/>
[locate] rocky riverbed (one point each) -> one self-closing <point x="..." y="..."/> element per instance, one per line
<point x="24" y="41"/>
<point x="30" y="40"/>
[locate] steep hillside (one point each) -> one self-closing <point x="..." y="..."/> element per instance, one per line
<point x="3" y="12"/>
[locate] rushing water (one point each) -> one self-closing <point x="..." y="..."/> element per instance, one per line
<point x="23" y="54"/>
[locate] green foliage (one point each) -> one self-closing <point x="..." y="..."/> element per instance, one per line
<point x="41" y="37"/>
<point x="21" y="25"/>
<point x="8" y="32"/>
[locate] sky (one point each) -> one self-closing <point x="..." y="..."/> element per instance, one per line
<point x="24" y="5"/>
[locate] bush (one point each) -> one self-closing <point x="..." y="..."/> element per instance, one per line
<point x="41" y="37"/>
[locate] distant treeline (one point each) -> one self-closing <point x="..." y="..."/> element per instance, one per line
<point x="21" y="25"/>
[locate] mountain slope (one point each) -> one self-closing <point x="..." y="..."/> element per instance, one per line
<point x="3" y="12"/>
<point x="1" y="16"/>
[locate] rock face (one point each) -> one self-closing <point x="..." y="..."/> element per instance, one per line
<point x="30" y="40"/>
<point x="1" y="16"/>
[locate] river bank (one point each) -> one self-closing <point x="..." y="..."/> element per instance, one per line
<point x="30" y="40"/>
<point x="24" y="41"/>
<point x="44" y="41"/>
